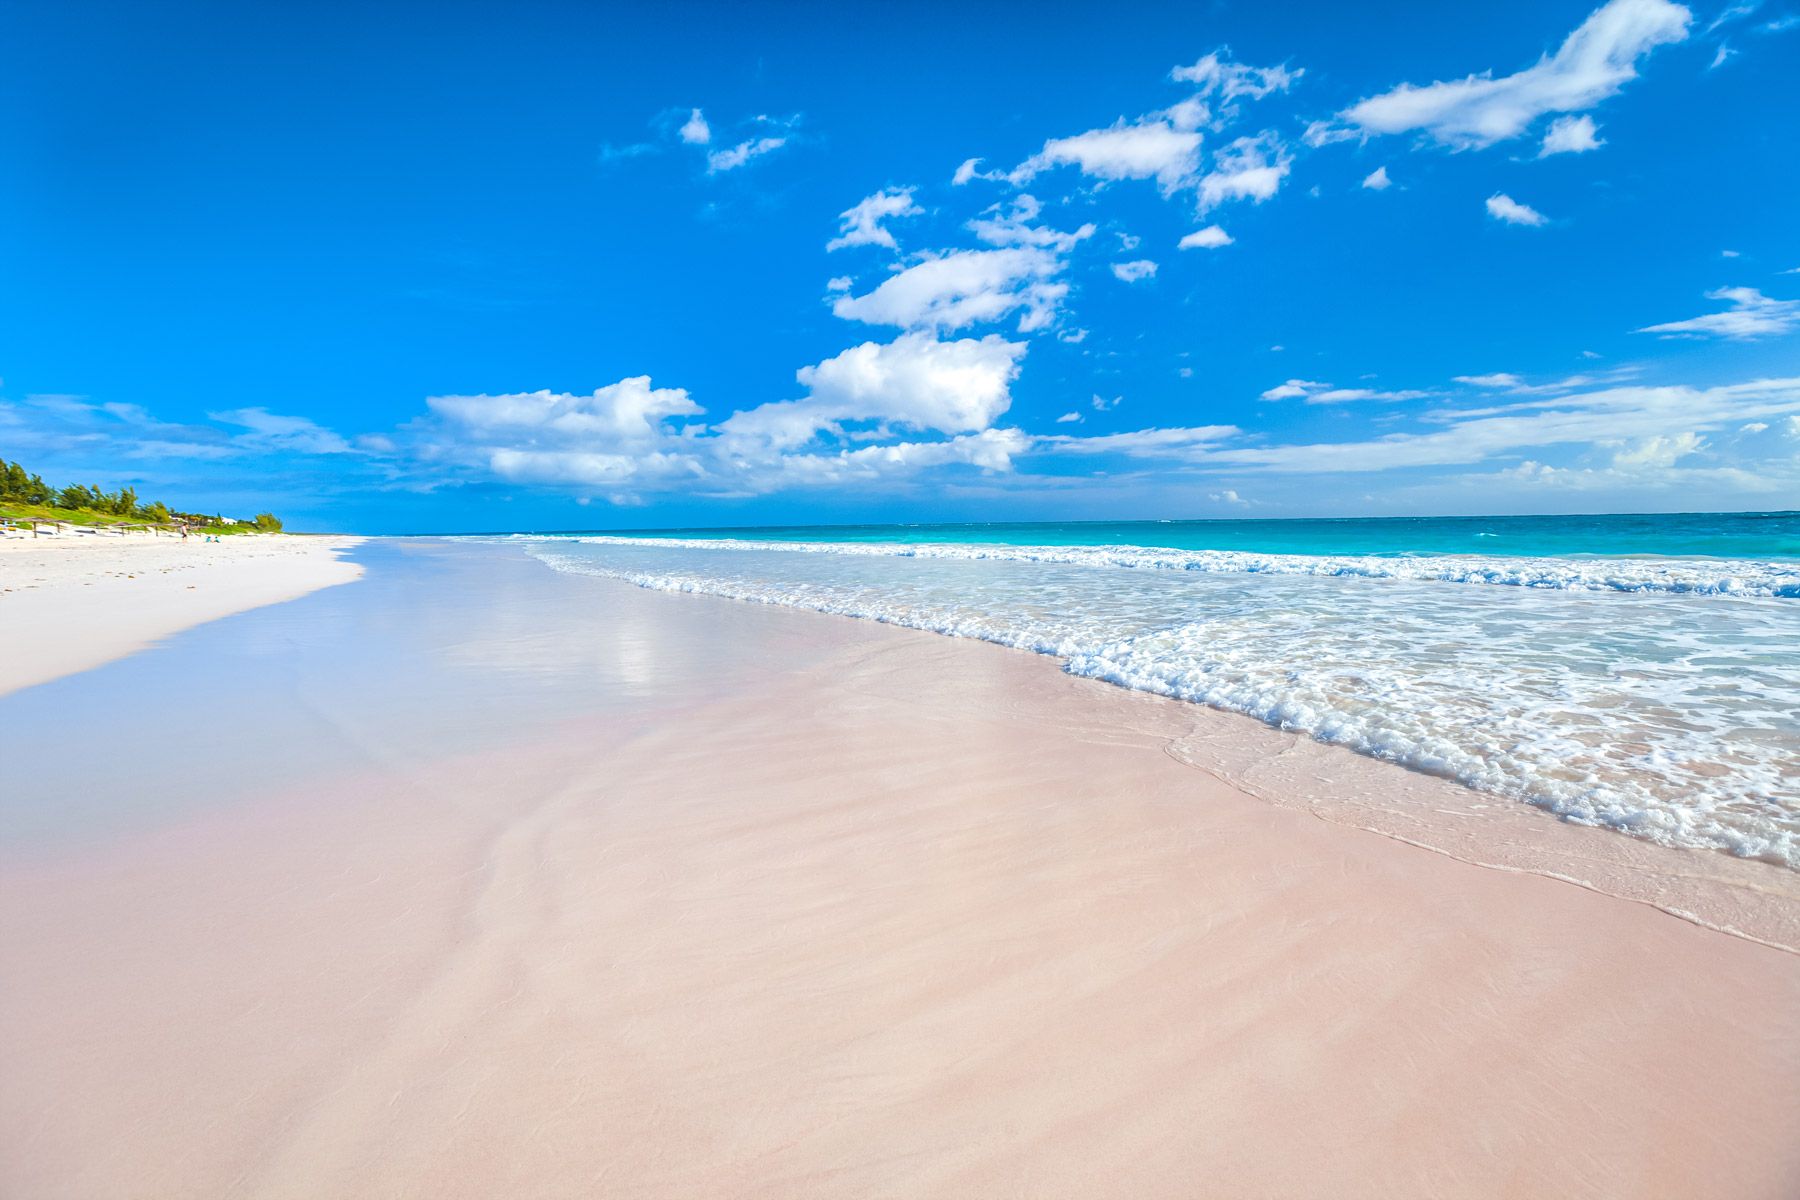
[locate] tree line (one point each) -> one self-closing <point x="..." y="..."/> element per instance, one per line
<point x="22" y="487"/>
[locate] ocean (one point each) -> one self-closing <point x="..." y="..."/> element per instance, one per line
<point x="1636" y="672"/>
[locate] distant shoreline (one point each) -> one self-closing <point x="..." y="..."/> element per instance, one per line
<point x="78" y="601"/>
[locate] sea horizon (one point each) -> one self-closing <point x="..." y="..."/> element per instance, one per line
<point x="1746" y="533"/>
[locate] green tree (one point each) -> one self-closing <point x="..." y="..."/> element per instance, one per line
<point x="267" y="523"/>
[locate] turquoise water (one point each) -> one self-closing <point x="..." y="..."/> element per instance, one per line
<point x="1770" y="535"/>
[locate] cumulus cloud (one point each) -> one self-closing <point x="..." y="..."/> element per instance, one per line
<point x="1150" y="148"/>
<point x="919" y="383"/>
<point x="1660" y="451"/>
<point x="1570" y="135"/>
<point x="1503" y="207"/>
<point x="630" y="411"/>
<point x="963" y="288"/>
<point x="1210" y="238"/>
<point x="695" y="131"/>
<point x="861" y="224"/>
<point x="632" y="437"/>
<point x="1250" y="168"/>
<point x="1593" y="63"/>
<point x="1750" y="315"/>
<point x="1377" y="180"/>
<point x="1131" y="272"/>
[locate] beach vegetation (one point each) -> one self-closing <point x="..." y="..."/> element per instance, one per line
<point x="24" y="496"/>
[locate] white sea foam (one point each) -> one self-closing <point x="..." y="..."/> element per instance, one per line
<point x="1721" y="577"/>
<point x="1612" y="701"/>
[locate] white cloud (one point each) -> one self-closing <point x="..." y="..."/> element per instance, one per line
<point x="1217" y="74"/>
<point x="1151" y="148"/>
<point x="730" y="160"/>
<point x="695" y="131"/>
<point x="1131" y="272"/>
<point x="1101" y="404"/>
<point x="274" y="431"/>
<point x="1751" y="315"/>
<point x="1611" y="417"/>
<point x="962" y="288"/>
<point x="1503" y="207"/>
<point x="1293" y="389"/>
<point x="1011" y="225"/>
<point x="631" y="438"/>
<point x="1570" y="135"/>
<point x="1210" y="238"/>
<point x="914" y="382"/>
<point x="1729" y="254"/>
<point x="1346" y="395"/>
<point x="1314" y="392"/>
<point x="1593" y="63"/>
<point x="861" y="224"/>
<point x="1733" y="13"/>
<point x="1250" y="168"/>
<point x="1144" y="443"/>
<point x="627" y="412"/>
<point x="1070" y="418"/>
<point x="1500" y="379"/>
<point x="970" y="170"/>
<point x="1660" y="451"/>
<point x="1377" y="180"/>
<point x="1228" y="496"/>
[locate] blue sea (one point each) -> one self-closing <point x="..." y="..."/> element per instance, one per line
<point x="1636" y="672"/>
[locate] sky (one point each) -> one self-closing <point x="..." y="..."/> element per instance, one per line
<point x="478" y="267"/>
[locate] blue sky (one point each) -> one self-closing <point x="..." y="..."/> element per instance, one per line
<point x="461" y="267"/>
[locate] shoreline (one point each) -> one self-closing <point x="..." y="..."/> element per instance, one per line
<point x="88" y="600"/>
<point x="1738" y="895"/>
<point x="665" y="895"/>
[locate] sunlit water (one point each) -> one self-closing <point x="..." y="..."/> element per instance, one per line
<point x="1659" y="696"/>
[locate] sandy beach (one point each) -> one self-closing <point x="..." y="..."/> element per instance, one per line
<point x="89" y="598"/>
<point x="474" y="879"/>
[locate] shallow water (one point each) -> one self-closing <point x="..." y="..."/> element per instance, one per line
<point x="1655" y="696"/>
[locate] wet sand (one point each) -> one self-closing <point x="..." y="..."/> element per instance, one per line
<point x="509" y="883"/>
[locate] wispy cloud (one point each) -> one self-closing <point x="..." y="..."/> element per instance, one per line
<point x="1593" y="63"/>
<point x="720" y="161"/>
<point x="862" y="224"/>
<point x="1750" y="315"/>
